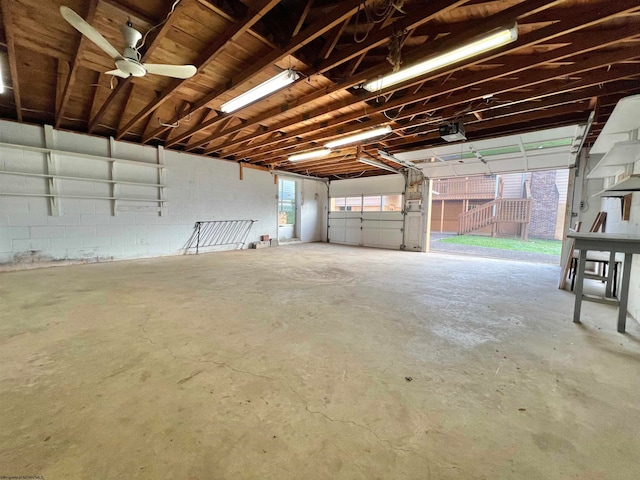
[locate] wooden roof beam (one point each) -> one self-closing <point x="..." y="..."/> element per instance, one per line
<point x="526" y="102"/>
<point x="240" y="10"/>
<point x="503" y="127"/>
<point x="538" y="77"/>
<point x="132" y="12"/>
<point x="204" y="115"/>
<point x="83" y="42"/>
<point x="346" y="166"/>
<point x="9" y="24"/>
<point x="341" y="57"/>
<point x="547" y="100"/>
<point x="592" y="42"/>
<point x="153" y="44"/>
<point x="231" y="34"/>
<point x="302" y="18"/>
<point x="525" y="116"/>
<point x="340" y="13"/>
<point x="413" y="19"/>
<point x="130" y="88"/>
<point x="332" y="42"/>
<point x="506" y="16"/>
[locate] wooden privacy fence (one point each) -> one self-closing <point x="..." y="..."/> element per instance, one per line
<point x="500" y="210"/>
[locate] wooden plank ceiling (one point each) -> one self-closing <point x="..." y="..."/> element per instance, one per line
<point x="572" y="57"/>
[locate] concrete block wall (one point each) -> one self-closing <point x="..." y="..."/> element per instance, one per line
<point x="197" y="188"/>
<point x="313" y="210"/>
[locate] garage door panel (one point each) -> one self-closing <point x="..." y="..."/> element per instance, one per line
<point x="353" y="236"/>
<point x="367" y="228"/>
<point x="371" y="237"/>
<point x="390" y="238"/>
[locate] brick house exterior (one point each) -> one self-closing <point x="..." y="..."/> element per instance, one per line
<point x="544" y="212"/>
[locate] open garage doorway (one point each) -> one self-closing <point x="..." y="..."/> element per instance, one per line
<point x="514" y="215"/>
<point x="504" y="197"/>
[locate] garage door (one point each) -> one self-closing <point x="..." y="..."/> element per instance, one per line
<point x="367" y="213"/>
<point x="370" y="221"/>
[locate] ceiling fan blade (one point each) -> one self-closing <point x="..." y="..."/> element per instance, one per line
<point x="118" y="73"/>
<point x="88" y="31"/>
<point x="175" y="71"/>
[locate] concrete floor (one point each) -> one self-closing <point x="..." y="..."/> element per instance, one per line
<point x="293" y="363"/>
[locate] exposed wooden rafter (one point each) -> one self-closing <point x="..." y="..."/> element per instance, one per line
<point x="9" y="25"/>
<point x="595" y="41"/>
<point x="156" y="38"/>
<point x="509" y="15"/>
<point x="571" y="58"/>
<point x="338" y="15"/>
<point x="83" y="42"/>
<point x="230" y="35"/>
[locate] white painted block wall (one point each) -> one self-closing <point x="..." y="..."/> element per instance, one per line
<point x="197" y="189"/>
<point x="313" y="210"/>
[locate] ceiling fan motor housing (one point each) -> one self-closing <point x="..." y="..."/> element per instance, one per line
<point x="130" y="66"/>
<point x="131" y="35"/>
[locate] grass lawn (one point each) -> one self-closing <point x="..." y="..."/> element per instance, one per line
<point x="551" y="247"/>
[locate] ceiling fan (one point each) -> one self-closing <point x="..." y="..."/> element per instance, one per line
<point x="128" y="63"/>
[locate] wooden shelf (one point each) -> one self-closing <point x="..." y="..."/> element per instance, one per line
<point x="89" y="197"/>
<point x="84" y="156"/>
<point x="625" y="187"/>
<point x="80" y="179"/>
<point x="620" y="155"/>
<point x="55" y="157"/>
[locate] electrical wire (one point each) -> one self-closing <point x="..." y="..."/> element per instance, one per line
<point x="378" y="13"/>
<point x="144" y="38"/>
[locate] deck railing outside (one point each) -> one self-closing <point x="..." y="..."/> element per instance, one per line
<point x="500" y="210"/>
<point x="466" y="188"/>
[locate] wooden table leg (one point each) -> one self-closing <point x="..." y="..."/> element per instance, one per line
<point x="582" y="261"/>
<point x="624" y="292"/>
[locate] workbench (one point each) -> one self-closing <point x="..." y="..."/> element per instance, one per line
<point x="612" y="243"/>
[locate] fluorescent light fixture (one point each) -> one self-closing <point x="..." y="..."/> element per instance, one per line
<point x="376" y="132"/>
<point x="482" y="44"/>
<point x="374" y="163"/>
<point x="266" y="88"/>
<point x="323" y="152"/>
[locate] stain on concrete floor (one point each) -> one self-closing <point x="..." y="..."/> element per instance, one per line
<point x="292" y="362"/>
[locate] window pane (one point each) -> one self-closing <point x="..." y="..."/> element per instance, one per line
<point x="286" y="213"/>
<point x="372" y="204"/>
<point x="337" y="204"/>
<point x="287" y="190"/>
<point x="392" y="203"/>
<point x="354" y="202"/>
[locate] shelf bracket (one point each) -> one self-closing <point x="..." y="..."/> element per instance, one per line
<point x="51" y="168"/>
<point x="113" y="187"/>
<point x="161" y="181"/>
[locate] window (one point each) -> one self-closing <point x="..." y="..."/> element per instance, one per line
<point x="368" y="203"/>
<point x="391" y="203"/>
<point x="286" y="202"/>
<point x="372" y="203"/>
<point x="337" y="204"/>
<point x="346" y="204"/>
<point x="355" y="203"/>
